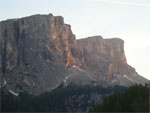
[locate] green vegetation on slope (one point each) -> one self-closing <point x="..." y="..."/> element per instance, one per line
<point x="134" y="99"/>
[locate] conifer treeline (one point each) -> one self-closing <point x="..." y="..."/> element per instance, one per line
<point x="134" y="99"/>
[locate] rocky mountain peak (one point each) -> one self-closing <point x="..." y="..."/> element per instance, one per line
<point x="105" y="54"/>
<point x="35" y="49"/>
<point x="37" y="52"/>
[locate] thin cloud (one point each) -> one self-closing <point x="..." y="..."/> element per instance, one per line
<point x="134" y="4"/>
<point x="124" y="3"/>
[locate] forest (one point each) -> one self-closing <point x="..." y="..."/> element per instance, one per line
<point x="55" y="100"/>
<point x="133" y="99"/>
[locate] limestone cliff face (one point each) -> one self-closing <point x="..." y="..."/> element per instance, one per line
<point x="65" y="42"/>
<point x="35" y="51"/>
<point x="39" y="52"/>
<point x="105" y="57"/>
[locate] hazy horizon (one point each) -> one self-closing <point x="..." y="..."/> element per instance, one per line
<point x="125" y="19"/>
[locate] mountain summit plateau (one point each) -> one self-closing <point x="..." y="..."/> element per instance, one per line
<point x="38" y="53"/>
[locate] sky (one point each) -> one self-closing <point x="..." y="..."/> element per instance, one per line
<point x="125" y="19"/>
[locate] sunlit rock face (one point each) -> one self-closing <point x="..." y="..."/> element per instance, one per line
<point x="105" y="57"/>
<point x="39" y="52"/>
<point x="35" y="51"/>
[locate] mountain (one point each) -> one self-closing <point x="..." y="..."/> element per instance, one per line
<point x="134" y="99"/>
<point x="39" y="53"/>
<point x="105" y="58"/>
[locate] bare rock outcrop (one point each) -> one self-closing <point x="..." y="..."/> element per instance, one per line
<point x="35" y="51"/>
<point x="38" y="53"/>
<point x="105" y="57"/>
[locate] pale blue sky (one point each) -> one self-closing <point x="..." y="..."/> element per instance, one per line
<point x="126" y="19"/>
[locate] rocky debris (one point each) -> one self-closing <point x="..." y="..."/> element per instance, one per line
<point x="77" y="103"/>
<point x="80" y="77"/>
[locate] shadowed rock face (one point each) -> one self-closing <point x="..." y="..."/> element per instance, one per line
<point x="36" y="52"/>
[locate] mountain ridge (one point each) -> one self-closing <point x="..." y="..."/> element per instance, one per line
<point x="38" y="52"/>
